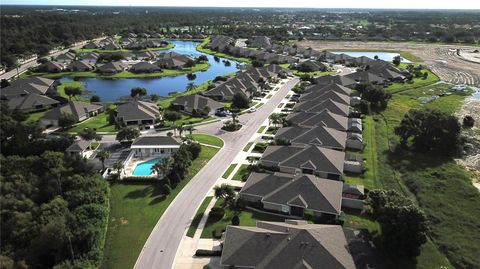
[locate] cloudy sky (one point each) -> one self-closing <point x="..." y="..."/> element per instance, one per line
<point x="404" y="4"/>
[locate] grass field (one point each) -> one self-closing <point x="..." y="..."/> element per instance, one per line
<point x="135" y="209"/>
<point x="242" y="171"/>
<point x="125" y="74"/>
<point x="229" y="170"/>
<point x="198" y="216"/>
<point x="405" y="54"/>
<point x="262" y="128"/>
<point x="208" y="139"/>
<point x="61" y="90"/>
<point x="99" y="123"/>
<point x="247" y="218"/>
<point x="248" y="146"/>
<point x="201" y="48"/>
<point x="186" y="119"/>
<point x="35" y="116"/>
<point x="441" y="187"/>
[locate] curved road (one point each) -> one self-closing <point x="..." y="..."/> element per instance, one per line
<point x="161" y="247"/>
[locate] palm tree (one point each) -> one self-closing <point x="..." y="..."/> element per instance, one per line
<point x="118" y="166"/>
<point x="103" y="155"/>
<point x="190" y="129"/>
<point x="234" y="117"/>
<point x="191" y="86"/>
<point x="275" y="118"/>
<point x="163" y="167"/>
<point x="226" y="192"/>
<point x="180" y="129"/>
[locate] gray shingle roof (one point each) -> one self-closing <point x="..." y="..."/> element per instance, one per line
<point x="319" y="105"/>
<point x="294" y="244"/>
<point x="196" y="102"/>
<point x="138" y="110"/>
<point x="76" y="108"/>
<point x="30" y="101"/>
<point x="155" y="141"/>
<point x="317" y="90"/>
<point x="79" y="146"/>
<point x="341" y="80"/>
<point x="324" y="118"/>
<point x="36" y="85"/>
<point x="318" y="136"/>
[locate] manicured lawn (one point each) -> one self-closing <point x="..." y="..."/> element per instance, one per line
<point x="280" y="105"/>
<point x="135" y="209"/>
<point x="165" y="102"/>
<point x="186" y="120"/>
<point x="208" y="139"/>
<point x="247" y="218"/>
<point x="248" y="146"/>
<point x="262" y="128"/>
<point x="229" y="170"/>
<point x="272" y="130"/>
<point x="198" y="216"/>
<point x="417" y="83"/>
<point x="241" y="173"/>
<point x="61" y="89"/>
<point x="358" y="221"/>
<point x="99" y="122"/>
<point x="33" y="117"/>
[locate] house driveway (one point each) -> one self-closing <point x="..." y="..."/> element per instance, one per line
<point x="161" y="247"/>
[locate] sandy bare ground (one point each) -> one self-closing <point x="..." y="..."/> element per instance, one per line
<point x="441" y="59"/>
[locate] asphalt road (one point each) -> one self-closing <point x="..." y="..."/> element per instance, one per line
<point x="161" y="247"/>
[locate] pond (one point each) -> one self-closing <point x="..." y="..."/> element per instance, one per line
<point x="386" y="56"/>
<point x="113" y="89"/>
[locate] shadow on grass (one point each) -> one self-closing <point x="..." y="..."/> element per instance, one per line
<point x="409" y="160"/>
<point x="158" y="200"/>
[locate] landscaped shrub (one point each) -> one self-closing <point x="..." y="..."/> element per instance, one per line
<point x="194" y="148"/>
<point x="235" y="220"/>
<point x="166" y="189"/>
<point x="216" y="213"/>
<point x="207" y="252"/>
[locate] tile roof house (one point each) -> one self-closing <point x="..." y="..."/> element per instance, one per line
<point x="81" y="66"/>
<point x="137" y="113"/>
<point x="293" y="194"/>
<point x="326" y="163"/>
<point x="31" y="102"/>
<point x="112" y="68"/>
<point x="293" y="244"/>
<point x="317" y="136"/>
<point x="80" y="110"/>
<point x="320" y="104"/>
<point x="38" y="85"/>
<point x="196" y="104"/>
<point x="144" y="67"/>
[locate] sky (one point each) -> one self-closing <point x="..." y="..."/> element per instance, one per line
<point x="402" y="4"/>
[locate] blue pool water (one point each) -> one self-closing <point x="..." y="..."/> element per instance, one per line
<point x="145" y="168"/>
<point x="113" y="89"/>
<point x="386" y="56"/>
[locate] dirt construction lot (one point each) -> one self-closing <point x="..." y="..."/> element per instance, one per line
<point x="441" y="59"/>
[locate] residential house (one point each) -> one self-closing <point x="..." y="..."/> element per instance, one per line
<point x="220" y="42"/>
<point x="330" y="79"/>
<point x="326" y="163"/>
<point x="137" y="113"/>
<point x="111" y="46"/>
<point x="112" y="68"/>
<point x="144" y="67"/>
<point x="80" y="110"/>
<point x="146" y="55"/>
<point x="366" y="77"/>
<point x="65" y="58"/>
<point x="324" y="118"/>
<point x="154" y="146"/>
<point x="310" y="66"/>
<point x="50" y="67"/>
<point x="90" y="58"/>
<point x="31" y="102"/>
<point x="22" y="87"/>
<point x="319" y="104"/>
<point x="79" y="147"/>
<point x="92" y="45"/>
<point x="353" y="196"/>
<point x="259" y="42"/>
<point x="316" y="90"/>
<point x="196" y="104"/>
<point x="293" y="244"/>
<point x="80" y="66"/>
<point x="293" y="194"/>
<point x="355" y="140"/>
<point x="317" y="136"/>
<point x="170" y="63"/>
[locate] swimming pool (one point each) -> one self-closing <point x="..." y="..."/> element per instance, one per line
<point x="145" y="168"/>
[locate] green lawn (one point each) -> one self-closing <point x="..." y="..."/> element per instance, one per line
<point x="417" y="83"/>
<point x="35" y="116"/>
<point x="247" y="218"/>
<point x="262" y="128"/>
<point x="198" y="216"/>
<point x="186" y="119"/>
<point x="241" y="173"/>
<point x="99" y="122"/>
<point x="125" y="74"/>
<point x="208" y="139"/>
<point x="248" y="146"/>
<point x="135" y="209"/>
<point x="165" y="102"/>
<point x="442" y="188"/>
<point x="229" y="170"/>
<point x="61" y="90"/>
<point x="357" y="221"/>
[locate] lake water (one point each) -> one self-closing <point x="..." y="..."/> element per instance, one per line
<point x="386" y="56"/>
<point x="113" y="89"/>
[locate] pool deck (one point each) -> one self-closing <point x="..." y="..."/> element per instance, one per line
<point x="132" y="162"/>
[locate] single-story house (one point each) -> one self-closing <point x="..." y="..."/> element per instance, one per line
<point x="170" y="63"/>
<point x="293" y="244"/>
<point x="50" y="67"/>
<point x="137" y="113"/>
<point x="293" y="194"/>
<point x="92" y="45"/>
<point x="22" y="87"/>
<point x="144" y="67"/>
<point x="80" y="66"/>
<point x="80" y="110"/>
<point x="310" y="66"/>
<point x="317" y="136"/>
<point x="366" y="77"/>
<point x="91" y="58"/>
<point x="112" y="68"/>
<point x="79" y="147"/>
<point x="66" y="58"/>
<point x="196" y="104"/>
<point x="154" y="146"/>
<point x="111" y="46"/>
<point x="31" y="102"/>
<point x="317" y="90"/>
<point x="324" y="118"/>
<point x="326" y="163"/>
<point x="331" y="79"/>
<point x="320" y="104"/>
<point x="259" y="42"/>
<point x="142" y="56"/>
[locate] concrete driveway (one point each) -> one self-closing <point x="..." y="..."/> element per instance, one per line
<point x="161" y="247"/>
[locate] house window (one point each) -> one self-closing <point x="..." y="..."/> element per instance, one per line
<point x="162" y="151"/>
